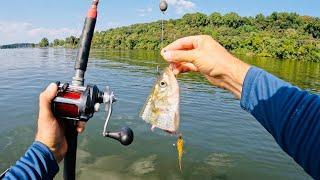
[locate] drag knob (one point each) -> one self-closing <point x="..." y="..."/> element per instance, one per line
<point x="124" y="136"/>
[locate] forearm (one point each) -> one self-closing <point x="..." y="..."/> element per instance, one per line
<point x="37" y="163"/>
<point x="233" y="76"/>
<point x="292" y="116"/>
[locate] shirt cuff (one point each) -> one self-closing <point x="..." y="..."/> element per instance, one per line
<point x="50" y="161"/>
<point x="249" y="83"/>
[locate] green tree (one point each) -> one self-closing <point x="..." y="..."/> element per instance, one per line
<point x="261" y="22"/>
<point x="313" y="28"/>
<point x="195" y="20"/>
<point x="72" y="41"/>
<point x="44" y="43"/>
<point x="285" y="20"/>
<point x="215" y="19"/>
<point x="233" y="20"/>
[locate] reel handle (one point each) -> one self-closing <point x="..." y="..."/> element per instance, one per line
<point x="124" y="136"/>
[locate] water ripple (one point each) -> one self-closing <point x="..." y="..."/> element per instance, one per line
<point x="221" y="140"/>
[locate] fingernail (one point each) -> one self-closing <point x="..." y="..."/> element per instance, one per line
<point x="163" y="51"/>
<point x="51" y="85"/>
<point x="167" y="55"/>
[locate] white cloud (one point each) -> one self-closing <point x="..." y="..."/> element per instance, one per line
<point x="17" y="32"/>
<point x="144" y="12"/>
<point x="182" y="6"/>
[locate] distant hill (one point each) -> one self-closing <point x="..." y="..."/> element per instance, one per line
<point x="18" y="45"/>
<point x="279" y="35"/>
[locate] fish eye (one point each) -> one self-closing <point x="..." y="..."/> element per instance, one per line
<point x="163" y="84"/>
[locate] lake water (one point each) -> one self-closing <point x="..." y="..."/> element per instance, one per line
<point x="221" y="140"/>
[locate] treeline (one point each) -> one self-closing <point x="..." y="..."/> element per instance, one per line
<point x="279" y="35"/>
<point x="69" y="42"/>
<point x="18" y="45"/>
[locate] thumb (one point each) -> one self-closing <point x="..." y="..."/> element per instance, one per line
<point x="46" y="98"/>
<point x="180" y="55"/>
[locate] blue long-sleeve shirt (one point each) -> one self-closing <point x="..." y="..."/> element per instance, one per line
<point x="37" y="163"/>
<point x="291" y="115"/>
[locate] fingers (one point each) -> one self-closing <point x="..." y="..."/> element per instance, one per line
<point x="47" y="95"/>
<point x="186" y="67"/>
<point x="81" y="126"/>
<point x="185" y="43"/>
<point x="183" y="67"/>
<point x="173" y="67"/>
<point x="180" y="55"/>
<point x="46" y="98"/>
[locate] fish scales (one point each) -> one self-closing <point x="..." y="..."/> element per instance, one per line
<point x="163" y="105"/>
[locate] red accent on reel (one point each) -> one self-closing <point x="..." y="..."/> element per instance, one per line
<point x="68" y="110"/>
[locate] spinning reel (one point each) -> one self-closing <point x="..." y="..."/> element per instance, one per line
<point x="79" y="103"/>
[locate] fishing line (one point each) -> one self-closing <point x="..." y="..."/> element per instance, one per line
<point x="162" y="31"/>
<point x="163" y="6"/>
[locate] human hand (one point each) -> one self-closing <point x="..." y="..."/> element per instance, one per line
<point x="203" y="54"/>
<point x="50" y="130"/>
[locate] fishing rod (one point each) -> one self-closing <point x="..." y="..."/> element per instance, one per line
<point x="76" y="102"/>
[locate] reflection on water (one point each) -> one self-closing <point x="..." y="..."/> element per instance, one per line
<point x="143" y="166"/>
<point x="306" y="75"/>
<point x="221" y="160"/>
<point x="303" y="74"/>
<point x="221" y="140"/>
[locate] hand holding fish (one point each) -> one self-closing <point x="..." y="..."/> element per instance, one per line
<point x="203" y="54"/>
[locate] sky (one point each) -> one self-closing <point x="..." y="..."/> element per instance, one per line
<point x="31" y="20"/>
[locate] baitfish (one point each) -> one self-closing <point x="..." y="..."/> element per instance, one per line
<point x="162" y="107"/>
<point x="180" y="150"/>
